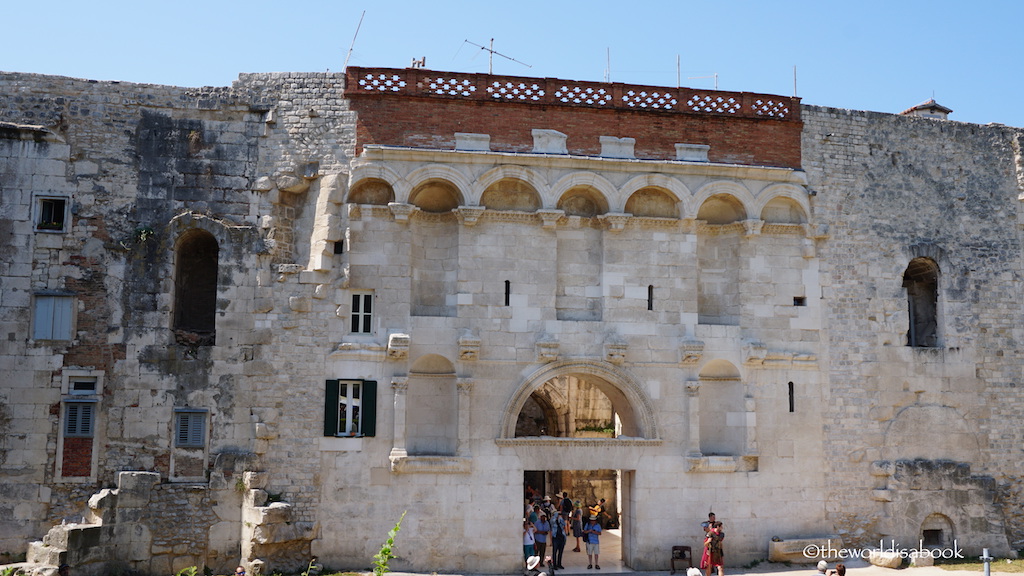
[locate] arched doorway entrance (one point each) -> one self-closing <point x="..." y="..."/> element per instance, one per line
<point x="582" y="427"/>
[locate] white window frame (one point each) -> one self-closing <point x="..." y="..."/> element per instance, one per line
<point x="362" y="319"/>
<point x="350" y="407"/>
<point x="37" y="220"/>
<point x="53" y="316"/>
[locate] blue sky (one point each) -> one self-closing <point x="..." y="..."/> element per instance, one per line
<point x="881" y="55"/>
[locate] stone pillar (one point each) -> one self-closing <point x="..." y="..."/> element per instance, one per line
<point x="693" y="403"/>
<point x="400" y="386"/>
<point x="465" y="387"/>
<point x="751" y="425"/>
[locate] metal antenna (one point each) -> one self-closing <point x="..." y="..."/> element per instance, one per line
<point x="794" y="80"/>
<point x="490" y="57"/>
<point x="349" y="55"/>
<point x="608" y="65"/>
<point x="715" y="76"/>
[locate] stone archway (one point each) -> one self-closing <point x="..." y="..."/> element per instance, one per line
<point x="629" y="402"/>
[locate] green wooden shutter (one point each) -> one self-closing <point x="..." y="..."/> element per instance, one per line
<point x="369" y="413"/>
<point x="331" y="409"/>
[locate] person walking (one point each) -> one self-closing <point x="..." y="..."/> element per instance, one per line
<point x="713" y="556"/>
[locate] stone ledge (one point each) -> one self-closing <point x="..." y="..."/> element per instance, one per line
<point x="701" y="463"/>
<point x="795" y="550"/>
<point x="431" y="465"/>
<point x="579" y="442"/>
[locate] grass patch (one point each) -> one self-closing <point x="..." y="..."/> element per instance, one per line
<point x="975" y="565"/>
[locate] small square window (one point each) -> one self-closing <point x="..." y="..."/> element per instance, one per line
<point x="51" y="214"/>
<point x="52" y="317"/>
<point x="190" y="428"/>
<point x="799" y="301"/>
<point x="79" y="419"/>
<point x="82" y="386"/>
<point x="362" y="313"/>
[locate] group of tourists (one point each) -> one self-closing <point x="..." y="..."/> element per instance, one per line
<point x="549" y="523"/>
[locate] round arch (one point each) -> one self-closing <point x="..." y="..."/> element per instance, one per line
<point x="569" y="181"/>
<point x="680" y="193"/>
<point x="499" y="173"/>
<point x="434" y="172"/>
<point x="377" y="172"/>
<point x="787" y="193"/>
<point x="722" y="188"/>
<point x="628" y="398"/>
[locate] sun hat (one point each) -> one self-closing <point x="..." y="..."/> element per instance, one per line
<point x="532" y="562"/>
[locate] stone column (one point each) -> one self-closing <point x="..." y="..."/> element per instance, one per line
<point x="751" y="426"/>
<point x="693" y="405"/>
<point x="400" y="386"/>
<point x="465" y="386"/>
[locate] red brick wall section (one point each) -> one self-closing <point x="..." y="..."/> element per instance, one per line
<point x="77" y="457"/>
<point x="412" y="117"/>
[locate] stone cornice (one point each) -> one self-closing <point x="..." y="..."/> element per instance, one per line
<point x="576" y="442"/>
<point x="379" y="152"/>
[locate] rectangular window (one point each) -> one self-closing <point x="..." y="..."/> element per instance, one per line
<point x="350" y="408"/>
<point x="51" y="214"/>
<point x="52" y="317"/>
<point x="362" y="313"/>
<point x="79" y="419"/>
<point x="82" y="386"/>
<point x="189" y="428"/>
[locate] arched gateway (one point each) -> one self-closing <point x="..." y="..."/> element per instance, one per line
<point x="569" y="455"/>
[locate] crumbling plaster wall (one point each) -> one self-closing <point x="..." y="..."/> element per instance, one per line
<point x="892" y="188"/>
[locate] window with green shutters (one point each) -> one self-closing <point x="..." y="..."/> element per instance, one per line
<point x="350" y="408"/>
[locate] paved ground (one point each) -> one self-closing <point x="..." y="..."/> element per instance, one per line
<point x="576" y="564"/>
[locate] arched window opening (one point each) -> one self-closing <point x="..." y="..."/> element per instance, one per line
<point x="195" y="289"/>
<point x="921" y="279"/>
<point x="574" y="406"/>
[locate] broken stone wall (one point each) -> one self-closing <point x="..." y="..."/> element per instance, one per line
<point x="891" y="189"/>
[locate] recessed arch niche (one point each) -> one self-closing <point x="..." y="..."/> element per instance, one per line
<point x="432" y="418"/>
<point x="783" y="210"/>
<point x="722" y="209"/>
<point x="652" y="202"/>
<point x="723" y="426"/>
<point x="371" y="191"/>
<point x="511" y="194"/>
<point x="584" y="201"/>
<point x="436" y="195"/>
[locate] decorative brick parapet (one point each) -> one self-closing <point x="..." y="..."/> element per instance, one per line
<point x="558" y="92"/>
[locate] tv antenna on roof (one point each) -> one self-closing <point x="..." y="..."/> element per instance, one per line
<point x="490" y="56"/>
<point x="358" y="26"/>
<point x="715" y="76"/>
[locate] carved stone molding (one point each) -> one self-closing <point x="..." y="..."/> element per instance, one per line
<point x="469" y="347"/>
<point x="616" y="222"/>
<point x="752" y="227"/>
<point x="757" y="354"/>
<point x="549" y="218"/>
<point x="701" y="463"/>
<point x="690" y="352"/>
<point x="693" y="388"/>
<point x="615" y="352"/>
<point x="547" y="350"/>
<point x="430" y="464"/>
<point x="400" y="384"/>
<point x="401" y="211"/>
<point x="468" y="215"/>
<point x="398" y="346"/>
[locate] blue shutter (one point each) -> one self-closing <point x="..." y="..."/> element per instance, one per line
<point x="43" y="325"/>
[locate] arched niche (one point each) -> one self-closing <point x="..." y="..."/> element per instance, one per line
<point x="435" y="195"/>
<point x="584" y="201"/>
<point x="921" y="280"/>
<point x="937" y="532"/>
<point x="783" y="210"/>
<point x="652" y="202"/>
<point x="722" y="209"/>
<point x="511" y="194"/>
<point x="629" y="402"/>
<point x="196" y="265"/>
<point x="371" y="191"/>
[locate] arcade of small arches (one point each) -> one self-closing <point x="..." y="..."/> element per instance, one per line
<point x="441" y="189"/>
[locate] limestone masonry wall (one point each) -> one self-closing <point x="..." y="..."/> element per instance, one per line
<point x="402" y="319"/>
